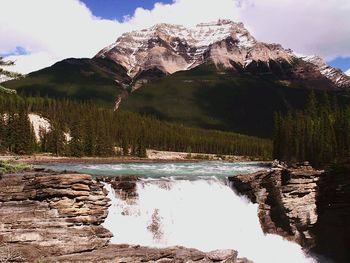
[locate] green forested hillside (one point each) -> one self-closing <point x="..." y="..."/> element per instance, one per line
<point x="79" y="79"/>
<point x="204" y="97"/>
<point x="100" y="131"/>
<point x="207" y="98"/>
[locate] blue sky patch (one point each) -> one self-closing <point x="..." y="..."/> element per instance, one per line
<point x="18" y="51"/>
<point x="340" y="62"/>
<point x="118" y="9"/>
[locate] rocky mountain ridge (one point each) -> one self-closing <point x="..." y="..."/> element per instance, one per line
<point x="228" y="45"/>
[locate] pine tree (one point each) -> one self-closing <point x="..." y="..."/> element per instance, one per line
<point x="6" y="73"/>
<point x="56" y="139"/>
<point x="2" y="132"/>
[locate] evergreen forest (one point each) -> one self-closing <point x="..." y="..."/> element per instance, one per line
<point x="87" y="129"/>
<point x="319" y="134"/>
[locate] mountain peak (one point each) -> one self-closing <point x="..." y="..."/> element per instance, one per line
<point x="227" y="44"/>
<point x="220" y="22"/>
<point x="138" y="50"/>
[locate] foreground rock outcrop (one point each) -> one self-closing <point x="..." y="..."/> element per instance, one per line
<point x="51" y="217"/>
<point x="286" y="198"/>
<point x="304" y="205"/>
<point x="332" y="229"/>
<point x="136" y="254"/>
<point x="50" y="214"/>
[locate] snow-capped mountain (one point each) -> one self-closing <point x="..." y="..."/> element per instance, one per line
<point x="347" y="72"/>
<point x="337" y="76"/>
<point x="228" y="45"/>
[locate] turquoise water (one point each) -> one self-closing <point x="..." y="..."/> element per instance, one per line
<point x="157" y="170"/>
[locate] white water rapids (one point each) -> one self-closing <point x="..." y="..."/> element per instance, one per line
<point x="188" y="204"/>
<point x="204" y="214"/>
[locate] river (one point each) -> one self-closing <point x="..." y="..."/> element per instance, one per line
<point x="189" y="204"/>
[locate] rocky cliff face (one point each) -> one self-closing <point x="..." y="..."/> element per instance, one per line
<point x="226" y="44"/>
<point x="53" y="214"/>
<point x="332" y="229"/>
<point x="57" y="218"/>
<point x="286" y="198"/>
<point x="305" y="205"/>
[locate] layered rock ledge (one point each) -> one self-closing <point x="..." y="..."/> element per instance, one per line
<point x="51" y="217"/>
<point x="50" y="214"/>
<point x="304" y="205"/>
<point x="138" y="254"/>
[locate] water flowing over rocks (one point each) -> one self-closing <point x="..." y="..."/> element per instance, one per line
<point x="305" y="205"/>
<point x="124" y="186"/>
<point x="57" y="218"/>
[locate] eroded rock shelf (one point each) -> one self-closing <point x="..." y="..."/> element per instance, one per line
<point x="304" y="205"/>
<point x="57" y="218"/>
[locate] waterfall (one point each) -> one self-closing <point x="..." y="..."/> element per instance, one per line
<point x="204" y="214"/>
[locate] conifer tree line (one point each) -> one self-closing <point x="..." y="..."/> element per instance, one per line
<point x="319" y="134"/>
<point x="86" y="129"/>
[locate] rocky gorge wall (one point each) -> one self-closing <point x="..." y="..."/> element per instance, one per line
<point x="305" y="205"/>
<point x="51" y="217"/>
<point x="50" y="214"/>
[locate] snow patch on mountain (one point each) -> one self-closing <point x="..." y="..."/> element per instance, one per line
<point x="348" y="72"/>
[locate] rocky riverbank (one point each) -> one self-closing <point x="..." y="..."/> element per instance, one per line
<point x="305" y="205"/>
<point x="51" y="217"/>
<point x="153" y="156"/>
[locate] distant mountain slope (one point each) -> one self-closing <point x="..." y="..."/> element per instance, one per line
<point x="83" y="79"/>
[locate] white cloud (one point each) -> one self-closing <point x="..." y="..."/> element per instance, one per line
<point x="186" y="12"/>
<point x="32" y="62"/>
<point x="51" y="30"/>
<point x="348" y="72"/>
<point x="57" y="28"/>
<point x="307" y="26"/>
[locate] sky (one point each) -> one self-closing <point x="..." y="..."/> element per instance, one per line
<point x="118" y="9"/>
<point x="38" y="33"/>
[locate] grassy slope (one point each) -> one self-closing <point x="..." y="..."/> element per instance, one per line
<point x="206" y="98"/>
